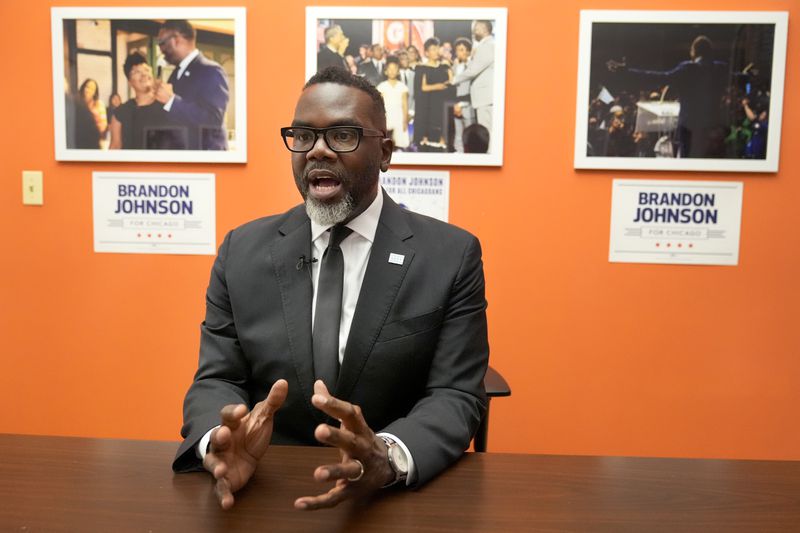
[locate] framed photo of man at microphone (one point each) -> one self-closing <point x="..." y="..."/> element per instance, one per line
<point x="680" y="90"/>
<point x="150" y="84"/>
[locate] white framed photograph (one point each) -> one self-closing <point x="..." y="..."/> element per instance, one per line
<point x="150" y="84"/>
<point x="680" y="90"/>
<point x="441" y="72"/>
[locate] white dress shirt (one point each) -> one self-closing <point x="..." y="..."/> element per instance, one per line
<point x="356" y="248"/>
<point x="181" y="69"/>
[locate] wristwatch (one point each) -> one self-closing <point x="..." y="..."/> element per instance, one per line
<point x="397" y="460"/>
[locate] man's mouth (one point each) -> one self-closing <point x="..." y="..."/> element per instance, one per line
<point x="323" y="185"/>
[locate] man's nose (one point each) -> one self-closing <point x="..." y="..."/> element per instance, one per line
<point x="320" y="150"/>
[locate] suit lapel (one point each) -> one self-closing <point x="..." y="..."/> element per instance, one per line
<point x="193" y="62"/>
<point x="378" y="291"/>
<point x="296" y="295"/>
<point x="173" y="78"/>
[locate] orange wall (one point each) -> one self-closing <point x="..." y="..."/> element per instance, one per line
<point x="602" y="358"/>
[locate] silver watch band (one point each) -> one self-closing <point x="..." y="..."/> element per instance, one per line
<point x="399" y="475"/>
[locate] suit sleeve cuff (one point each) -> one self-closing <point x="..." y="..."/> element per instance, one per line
<point x="412" y="471"/>
<point x="202" y="446"/>
<point x="168" y="105"/>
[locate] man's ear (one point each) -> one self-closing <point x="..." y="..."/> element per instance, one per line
<point x="387" y="147"/>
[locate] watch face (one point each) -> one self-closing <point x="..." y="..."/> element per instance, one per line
<point x="399" y="459"/>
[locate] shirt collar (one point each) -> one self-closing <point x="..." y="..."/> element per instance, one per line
<point x="365" y="224"/>
<point x="188" y="59"/>
<point x="485" y="40"/>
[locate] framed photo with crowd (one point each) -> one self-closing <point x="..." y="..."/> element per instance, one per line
<point x="680" y="90"/>
<point x="150" y="84"/>
<point x="441" y="72"/>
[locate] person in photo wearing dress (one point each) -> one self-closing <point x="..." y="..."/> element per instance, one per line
<point x="395" y="99"/>
<point x="434" y="77"/>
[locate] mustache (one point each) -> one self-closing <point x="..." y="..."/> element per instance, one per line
<point x="318" y="165"/>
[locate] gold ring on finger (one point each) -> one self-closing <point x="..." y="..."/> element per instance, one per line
<point x="360" y="474"/>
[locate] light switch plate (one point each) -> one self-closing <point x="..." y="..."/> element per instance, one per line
<point x="32" y="187"/>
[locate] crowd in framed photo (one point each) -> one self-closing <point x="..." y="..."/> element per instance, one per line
<point x="438" y="98"/>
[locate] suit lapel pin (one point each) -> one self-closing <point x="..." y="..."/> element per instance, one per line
<point x="188" y="73"/>
<point x="396" y="259"/>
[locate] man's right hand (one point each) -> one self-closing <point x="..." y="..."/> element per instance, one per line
<point x="240" y="442"/>
<point x="343" y="46"/>
<point x="616" y="66"/>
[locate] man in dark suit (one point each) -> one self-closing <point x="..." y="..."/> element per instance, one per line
<point x="364" y="53"/>
<point x="196" y="94"/>
<point x="699" y="83"/>
<point x="372" y="69"/>
<point x="332" y="52"/>
<point x="409" y="349"/>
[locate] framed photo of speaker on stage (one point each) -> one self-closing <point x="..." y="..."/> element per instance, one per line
<point x="149" y="84"/>
<point x="440" y="73"/>
<point x="680" y="90"/>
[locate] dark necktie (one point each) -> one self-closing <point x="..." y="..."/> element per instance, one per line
<point x="328" y="312"/>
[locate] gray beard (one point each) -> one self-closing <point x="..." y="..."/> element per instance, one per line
<point x="329" y="214"/>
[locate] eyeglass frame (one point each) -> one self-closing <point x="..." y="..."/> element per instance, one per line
<point x="362" y="132"/>
<point x="164" y="40"/>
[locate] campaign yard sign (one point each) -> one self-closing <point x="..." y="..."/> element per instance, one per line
<point x="426" y="192"/>
<point x="154" y="213"/>
<point x="675" y="222"/>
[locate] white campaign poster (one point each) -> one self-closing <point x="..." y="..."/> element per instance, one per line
<point x="426" y="192"/>
<point x="675" y="222"/>
<point x="154" y="213"/>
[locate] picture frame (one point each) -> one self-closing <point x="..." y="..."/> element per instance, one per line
<point x="648" y="99"/>
<point x="203" y="118"/>
<point x="443" y="123"/>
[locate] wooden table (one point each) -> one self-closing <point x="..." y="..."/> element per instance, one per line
<point x="72" y="484"/>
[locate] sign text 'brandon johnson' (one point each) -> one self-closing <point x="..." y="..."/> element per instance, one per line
<point x="153" y="200"/>
<point x="681" y="208"/>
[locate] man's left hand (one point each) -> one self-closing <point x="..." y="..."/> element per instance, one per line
<point x="343" y="46"/>
<point x="357" y="443"/>
<point x="164" y="92"/>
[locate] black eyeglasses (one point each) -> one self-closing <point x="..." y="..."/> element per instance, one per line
<point x="164" y="40"/>
<point x="340" y="139"/>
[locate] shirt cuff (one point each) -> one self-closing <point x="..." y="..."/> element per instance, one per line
<point x="168" y="105"/>
<point x="202" y="446"/>
<point x="412" y="471"/>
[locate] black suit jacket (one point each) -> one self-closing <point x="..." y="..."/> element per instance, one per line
<point x="328" y="58"/>
<point x="416" y="354"/>
<point x="371" y="72"/>
<point x="201" y="98"/>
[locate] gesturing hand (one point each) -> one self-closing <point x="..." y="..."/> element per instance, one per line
<point x="164" y="91"/>
<point x="615" y="66"/>
<point x="356" y="442"/>
<point x="240" y="441"/>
